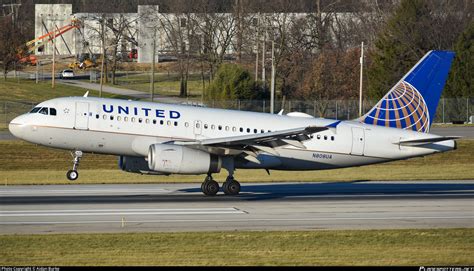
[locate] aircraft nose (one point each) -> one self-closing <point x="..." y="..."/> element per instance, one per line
<point x="16" y="127"/>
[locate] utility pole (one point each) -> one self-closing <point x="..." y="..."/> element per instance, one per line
<point x="152" y="85"/>
<point x="361" y="75"/>
<point x="272" y="86"/>
<point x="263" y="58"/>
<point x="103" y="56"/>
<point x="53" y="70"/>
<point x="256" y="50"/>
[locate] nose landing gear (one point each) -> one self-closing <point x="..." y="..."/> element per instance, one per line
<point x="72" y="174"/>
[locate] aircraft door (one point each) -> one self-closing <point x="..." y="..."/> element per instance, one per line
<point x="197" y="128"/>
<point x="358" y="141"/>
<point x="82" y="116"/>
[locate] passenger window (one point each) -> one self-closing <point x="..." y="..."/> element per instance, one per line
<point x="198" y="125"/>
<point x="52" y="111"/>
<point x="147" y="121"/>
<point x="104" y="117"/>
<point x="111" y="117"/>
<point x="227" y="128"/>
<point x="43" y="111"/>
<point x="213" y="127"/>
<point x="332" y="138"/>
<point x="125" y="119"/>
<point x="97" y="116"/>
<point x="318" y="136"/>
<point x="325" y="137"/>
<point x="168" y="123"/>
<point x="206" y="126"/>
<point x="220" y="127"/>
<point x="132" y="119"/>
<point x="175" y="123"/>
<point x="262" y="131"/>
<point x="255" y="131"/>
<point x="234" y="129"/>
<point x="186" y="124"/>
<point x="241" y="129"/>
<point x="161" y="122"/>
<point x="140" y="120"/>
<point x="119" y="118"/>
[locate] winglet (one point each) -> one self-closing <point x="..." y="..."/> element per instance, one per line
<point x="86" y="94"/>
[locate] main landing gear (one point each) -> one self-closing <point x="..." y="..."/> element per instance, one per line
<point x="210" y="187"/>
<point x="72" y="174"/>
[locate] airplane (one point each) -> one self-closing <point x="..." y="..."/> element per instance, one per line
<point x="163" y="139"/>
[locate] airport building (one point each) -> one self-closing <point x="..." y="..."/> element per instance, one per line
<point x="136" y="34"/>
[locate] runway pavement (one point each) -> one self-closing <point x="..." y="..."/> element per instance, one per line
<point x="277" y="206"/>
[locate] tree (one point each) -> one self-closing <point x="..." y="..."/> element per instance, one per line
<point x="399" y="46"/>
<point x="460" y="81"/>
<point x="415" y="27"/>
<point x="232" y="82"/>
<point x="11" y="41"/>
<point x="332" y="75"/>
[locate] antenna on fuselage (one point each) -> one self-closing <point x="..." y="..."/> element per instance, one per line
<point x="86" y="94"/>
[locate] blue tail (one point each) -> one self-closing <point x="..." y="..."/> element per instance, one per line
<point x="411" y="103"/>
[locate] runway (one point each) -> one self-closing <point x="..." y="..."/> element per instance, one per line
<point x="277" y="206"/>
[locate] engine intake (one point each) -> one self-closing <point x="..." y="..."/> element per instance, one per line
<point x="182" y="160"/>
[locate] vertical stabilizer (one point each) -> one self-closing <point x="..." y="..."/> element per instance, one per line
<point x="411" y="103"/>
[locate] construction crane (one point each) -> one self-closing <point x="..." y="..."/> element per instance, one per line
<point x="27" y="56"/>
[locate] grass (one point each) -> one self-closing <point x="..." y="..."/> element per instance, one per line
<point x="165" y="84"/>
<point x="48" y="166"/>
<point x="348" y="247"/>
<point x="28" y="90"/>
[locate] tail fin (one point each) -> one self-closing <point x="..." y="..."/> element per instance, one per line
<point x="411" y="103"/>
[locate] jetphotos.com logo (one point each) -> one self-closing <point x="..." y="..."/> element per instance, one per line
<point x="446" y="268"/>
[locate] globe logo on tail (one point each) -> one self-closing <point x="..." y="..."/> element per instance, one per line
<point x="403" y="107"/>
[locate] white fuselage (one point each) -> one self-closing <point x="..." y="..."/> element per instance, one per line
<point x="122" y="127"/>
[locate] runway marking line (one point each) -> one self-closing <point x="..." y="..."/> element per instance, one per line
<point x="230" y="220"/>
<point x="98" y="212"/>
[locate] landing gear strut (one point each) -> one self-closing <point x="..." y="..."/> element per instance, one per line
<point x="231" y="186"/>
<point x="72" y="175"/>
<point x="209" y="187"/>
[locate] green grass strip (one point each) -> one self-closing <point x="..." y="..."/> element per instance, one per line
<point x="344" y="247"/>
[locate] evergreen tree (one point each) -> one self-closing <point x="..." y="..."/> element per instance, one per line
<point x="231" y="82"/>
<point x="401" y="44"/>
<point x="460" y="81"/>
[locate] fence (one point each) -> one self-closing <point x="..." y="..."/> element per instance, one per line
<point x="449" y="110"/>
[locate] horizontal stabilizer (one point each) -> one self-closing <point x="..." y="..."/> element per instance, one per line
<point x="424" y="141"/>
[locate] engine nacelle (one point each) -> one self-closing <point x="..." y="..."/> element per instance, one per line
<point x="136" y="165"/>
<point x="182" y="160"/>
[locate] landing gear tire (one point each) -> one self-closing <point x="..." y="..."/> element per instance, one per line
<point x="231" y="187"/>
<point x="209" y="187"/>
<point x="72" y="175"/>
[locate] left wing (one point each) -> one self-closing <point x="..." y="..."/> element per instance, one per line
<point x="250" y="145"/>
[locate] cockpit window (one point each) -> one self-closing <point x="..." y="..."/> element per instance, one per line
<point x="43" y="111"/>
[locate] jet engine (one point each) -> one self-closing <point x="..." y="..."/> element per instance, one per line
<point x="168" y="158"/>
<point x="136" y="165"/>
